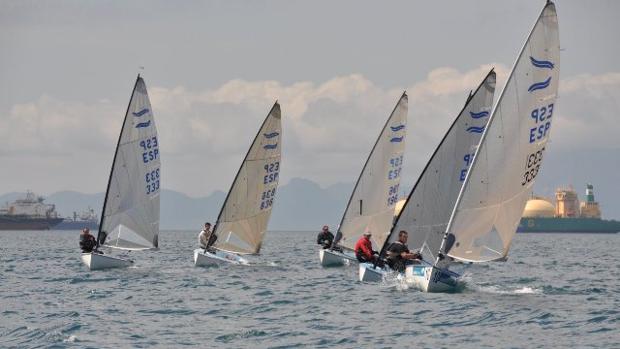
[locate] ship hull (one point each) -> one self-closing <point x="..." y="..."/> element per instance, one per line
<point x="27" y="223"/>
<point x="76" y="225"/>
<point x="568" y="225"/>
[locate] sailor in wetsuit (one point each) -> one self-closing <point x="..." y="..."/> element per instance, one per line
<point x="88" y="243"/>
<point x="398" y="254"/>
<point x="206" y="238"/>
<point x="325" y="238"/>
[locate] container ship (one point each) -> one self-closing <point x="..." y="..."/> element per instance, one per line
<point x="568" y="215"/>
<point x="28" y="213"/>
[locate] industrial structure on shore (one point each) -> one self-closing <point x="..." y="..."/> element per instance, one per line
<point x="568" y="215"/>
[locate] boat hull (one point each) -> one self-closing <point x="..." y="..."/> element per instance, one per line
<point x="431" y="279"/>
<point x="369" y="273"/>
<point x="218" y="257"/>
<point x="331" y="258"/>
<point x="96" y="261"/>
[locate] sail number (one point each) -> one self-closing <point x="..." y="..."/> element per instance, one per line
<point x="152" y="181"/>
<point x="396" y="165"/>
<point x="267" y="198"/>
<point x="532" y="165"/>
<point x="542" y="118"/>
<point x="271" y="172"/>
<point x="467" y="159"/>
<point x="150" y="149"/>
<point x="393" y="195"/>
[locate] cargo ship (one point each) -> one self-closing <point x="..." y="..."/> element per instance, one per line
<point x="28" y="213"/>
<point x="86" y="219"/>
<point x="568" y="215"/>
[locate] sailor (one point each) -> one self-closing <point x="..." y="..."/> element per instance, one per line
<point x="88" y="243"/>
<point x="325" y="238"/>
<point x="363" y="249"/>
<point x="206" y="238"/>
<point x="398" y="254"/>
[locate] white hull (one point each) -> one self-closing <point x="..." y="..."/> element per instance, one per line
<point x="430" y="279"/>
<point x="95" y="261"/>
<point x="206" y="259"/>
<point x="369" y="273"/>
<point x="331" y="258"/>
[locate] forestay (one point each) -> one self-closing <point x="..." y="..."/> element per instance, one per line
<point x="371" y="205"/>
<point x="243" y="220"/>
<point x="130" y="218"/>
<point x="511" y="152"/>
<point x="427" y="210"/>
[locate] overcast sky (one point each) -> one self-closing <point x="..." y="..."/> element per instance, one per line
<point x="213" y="70"/>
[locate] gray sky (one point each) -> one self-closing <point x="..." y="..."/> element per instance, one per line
<point x="213" y="70"/>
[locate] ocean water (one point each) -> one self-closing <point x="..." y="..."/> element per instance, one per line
<point x="555" y="291"/>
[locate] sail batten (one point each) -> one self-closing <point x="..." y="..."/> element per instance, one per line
<point x="371" y="205"/>
<point x="243" y="219"/>
<point x="511" y="151"/>
<point x="426" y="212"/>
<point x="130" y="217"/>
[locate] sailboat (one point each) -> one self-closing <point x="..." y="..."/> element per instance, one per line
<point x="426" y="211"/>
<point x="243" y="219"/>
<point x="501" y="177"/>
<point x="130" y="217"/>
<point x="371" y="205"/>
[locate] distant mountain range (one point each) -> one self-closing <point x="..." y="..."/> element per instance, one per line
<point x="300" y="205"/>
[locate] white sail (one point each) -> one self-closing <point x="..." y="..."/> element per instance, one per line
<point x="511" y="151"/>
<point x="426" y="212"/>
<point x="242" y="223"/>
<point x="130" y="218"/>
<point x="371" y="206"/>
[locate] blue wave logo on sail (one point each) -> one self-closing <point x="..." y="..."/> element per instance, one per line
<point x="479" y="115"/>
<point x="141" y="112"/>
<point x="397" y="139"/>
<point x="271" y="135"/>
<point x="397" y="128"/>
<point x="270" y="146"/>
<point x="540" y="85"/>
<point x="474" y="129"/>
<point x="144" y="124"/>
<point x="541" y="64"/>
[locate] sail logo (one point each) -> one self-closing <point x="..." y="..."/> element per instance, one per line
<point x="271" y="135"/>
<point x="475" y="129"/>
<point x="397" y="139"/>
<point x="542" y="65"/>
<point x="479" y="115"/>
<point x="144" y="124"/>
<point x="141" y="112"/>
<point x="270" y="146"/>
<point x="397" y="127"/>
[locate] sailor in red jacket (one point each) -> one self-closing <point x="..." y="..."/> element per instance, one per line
<point x="363" y="249"/>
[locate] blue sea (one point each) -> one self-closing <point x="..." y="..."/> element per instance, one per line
<point x="555" y="291"/>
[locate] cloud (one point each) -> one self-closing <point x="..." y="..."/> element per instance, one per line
<point x="329" y="127"/>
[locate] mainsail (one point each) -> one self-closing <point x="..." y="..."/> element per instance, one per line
<point x="510" y="154"/>
<point x="130" y="218"/>
<point x="427" y="210"/>
<point x="371" y="206"/>
<point x="243" y="220"/>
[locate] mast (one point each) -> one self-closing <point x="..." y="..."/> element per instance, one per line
<point x="387" y="122"/>
<point x="275" y="105"/>
<point x="444" y="249"/>
<point x="468" y="100"/>
<point x="105" y="200"/>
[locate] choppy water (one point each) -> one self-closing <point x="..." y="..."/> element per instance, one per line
<point x="555" y="291"/>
